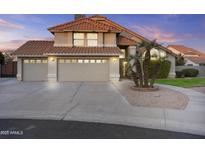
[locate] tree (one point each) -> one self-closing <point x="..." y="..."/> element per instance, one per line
<point x="180" y="61"/>
<point x="1" y="58"/>
<point x="140" y="61"/>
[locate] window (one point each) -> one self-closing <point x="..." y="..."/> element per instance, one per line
<point x="38" y="61"/>
<point x="44" y="61"/>
<point x="61" y="61"/>
<point x="26" y="61"/>
<point x="92" y="61"/>
<point x="92" y="39"/>
<point x="32" y="61"/>
<point x="80" y="61"/>
<point x="74" y="61"/>
<point x="67" y="61"/>
<point x="86" y="61"/>
<point x="79" y="39"/>
<point x="98" y="61"/>
<point x="104" y="61"/>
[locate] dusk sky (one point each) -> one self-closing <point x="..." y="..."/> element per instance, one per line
<point x="187" y="30"/>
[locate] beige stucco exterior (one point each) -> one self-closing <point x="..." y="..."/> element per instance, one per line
<point x="100" y="39"/>
<point x="114" y="68"/>
<point x="110" y="39"/>
<point x="19" y="69"/>
<point x="63" y="39"/>
<point x="52" y="69"/>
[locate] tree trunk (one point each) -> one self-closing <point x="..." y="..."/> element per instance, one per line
<point x="146" y="68"/>
<point x="139" y="72"/>
<point x="155" y="73"/>
<point x="135" y="78"/>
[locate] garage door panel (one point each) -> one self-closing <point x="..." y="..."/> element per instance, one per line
<point x="83" y="72"/>
<point x="35" y="71"/>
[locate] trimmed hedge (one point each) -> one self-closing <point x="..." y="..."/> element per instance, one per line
<point x="179" y="74"/>
<point x="164" y="69"/>
<point x="190" y="72"/>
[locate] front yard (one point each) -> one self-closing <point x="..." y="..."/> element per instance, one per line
<point x="183" y="82"/>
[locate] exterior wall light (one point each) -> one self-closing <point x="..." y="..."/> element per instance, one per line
<point x="114" y="59"/>
<point x="121" y="56"/>
<point x="51" y="59"/>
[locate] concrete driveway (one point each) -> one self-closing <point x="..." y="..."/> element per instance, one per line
<point x="95" y="102"/>
<point x="43" y="100"/>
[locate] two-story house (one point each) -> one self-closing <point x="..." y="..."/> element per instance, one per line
<point x="87" y="49"/>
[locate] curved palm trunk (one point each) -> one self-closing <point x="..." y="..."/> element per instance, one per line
<point x="146" y="68"/>
<point x="155" y="73"/>
<point x="139" y="72"/>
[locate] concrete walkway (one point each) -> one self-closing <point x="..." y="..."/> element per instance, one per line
<point x="96" y="102"/>
<point x="111" y="107"/>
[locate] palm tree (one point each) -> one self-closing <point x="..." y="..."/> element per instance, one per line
<point x="140" y="64"/>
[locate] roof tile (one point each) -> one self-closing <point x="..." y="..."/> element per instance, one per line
<point x="47" y="48"/>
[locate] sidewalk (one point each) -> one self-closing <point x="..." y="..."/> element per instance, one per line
<point x="190" y="120"/>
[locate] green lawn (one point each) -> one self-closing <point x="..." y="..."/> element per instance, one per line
<point x="183" y="82"/>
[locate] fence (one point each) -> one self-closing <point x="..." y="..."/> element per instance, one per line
<point x="8" y="70"/>
<point x="200" y="68"/>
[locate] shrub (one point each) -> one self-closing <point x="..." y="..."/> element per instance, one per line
<point x="190" y="72"/>
<point x="179" y="74"/>
<point x="164" y="69"/>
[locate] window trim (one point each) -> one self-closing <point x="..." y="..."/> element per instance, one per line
<point x="96" y="39"/>
<point x="78" y="39"/>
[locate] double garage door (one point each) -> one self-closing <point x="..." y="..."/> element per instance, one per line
<point x="83" y="69"/>
<point x="72" y="69"/>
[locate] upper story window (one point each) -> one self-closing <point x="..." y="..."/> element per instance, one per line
<point x="85" y="39"/>
<point x="79" y="39"/>
<point x="92" y="39"/>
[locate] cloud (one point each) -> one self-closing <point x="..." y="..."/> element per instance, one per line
<point x="7" y="24"/>
<point x="13" y="44"/>
<point x="153" y="32"/>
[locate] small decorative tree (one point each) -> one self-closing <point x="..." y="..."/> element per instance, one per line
<point x="1" y="58"/>
<point x="180" y="61"/>
<point x="140" y="61"/>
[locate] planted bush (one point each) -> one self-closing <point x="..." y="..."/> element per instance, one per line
<point x="190" y="72"/>
<point x="164" y="69"/>
<point x="179" y="74"/>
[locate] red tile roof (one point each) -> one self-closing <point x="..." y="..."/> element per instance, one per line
<point x="190" y="53"/>
<point x="186" y="50"/>
<point x="122" y="40"/>
<point x="135" y="36"/>
<point x="197" y="60"/>
<point x="83" y="24"/>
<point x="47" y="48"/>
<point x="34" y="48"/>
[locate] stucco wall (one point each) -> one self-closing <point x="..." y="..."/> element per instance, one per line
<point x="189" y="62"/>
<point x="110" y="39"/>
<point x="63" y="39"/>
<point x="100" y="39"/>
<point x="114" y="68"/>
<point x="52" y="69"/>
<point x="172" y="72"/>
<point x="19" y="69"/>
<point x="200" y="68"/>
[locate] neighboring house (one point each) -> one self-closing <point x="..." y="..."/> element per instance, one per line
<point x="192" y="57"/>
<point x="87" y="49"/>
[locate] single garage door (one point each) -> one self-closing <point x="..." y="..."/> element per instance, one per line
<point x="35" y="69"/>
<point x="83" y="69"/>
